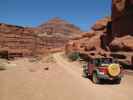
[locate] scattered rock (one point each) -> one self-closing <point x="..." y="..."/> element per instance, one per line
<point x="46" y="68"/>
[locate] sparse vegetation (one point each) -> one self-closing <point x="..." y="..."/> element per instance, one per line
<point x="74" y="56"/>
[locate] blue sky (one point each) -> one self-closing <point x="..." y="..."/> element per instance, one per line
<point x="82" y="13"/>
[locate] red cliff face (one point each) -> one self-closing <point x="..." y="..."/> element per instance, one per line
<point x="122" y="25"/>
<point x="102" y="42"/>
<point x="49" y="37"/>
<point x="20" y="41"/>
<point x="113" y="36"/>
<point x="90" y="43"/>
<point x="122" y="17"/>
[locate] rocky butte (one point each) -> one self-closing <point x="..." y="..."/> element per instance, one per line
<point x="57" y="32"/>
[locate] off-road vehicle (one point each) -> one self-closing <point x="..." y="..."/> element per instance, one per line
<point x="103" y="68"/>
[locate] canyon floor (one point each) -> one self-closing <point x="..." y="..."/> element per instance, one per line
<point x="58" y="79"/>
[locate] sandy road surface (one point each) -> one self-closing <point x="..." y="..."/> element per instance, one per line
<point x="122" y="91"/>
<point x="63" y="81"/>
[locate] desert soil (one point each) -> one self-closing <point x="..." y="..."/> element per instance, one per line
<point x="63" y="80"/>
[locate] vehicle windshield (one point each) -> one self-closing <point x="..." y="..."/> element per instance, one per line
<point x="100" y="61"/>
<point x="106" y="60"/>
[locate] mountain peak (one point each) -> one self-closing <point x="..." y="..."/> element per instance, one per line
<point x="58" y="25"/>
<point x="55" y="20"/>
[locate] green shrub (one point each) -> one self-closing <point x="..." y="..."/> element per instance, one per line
<point x="74" y="56"/>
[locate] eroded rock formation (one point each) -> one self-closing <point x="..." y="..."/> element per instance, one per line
<point x="25" y="41"/>
<point x="91" y="43"/>
<point x="20" y="41"/>
<point x="113" y="37"/>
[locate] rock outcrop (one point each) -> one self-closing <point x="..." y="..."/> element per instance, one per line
<point x="25" y="41"/>
<point x="101" y="25"/>
<point x="113" y="36"/>
<point x="122" y="17"/>
<point x="20" y="41"/>
<point x="91" y="43"/>
<point x="101" y="42"/>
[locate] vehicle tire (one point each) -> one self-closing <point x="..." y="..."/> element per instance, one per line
<point x="95" y="79"/>
<point x="118" y="81"/>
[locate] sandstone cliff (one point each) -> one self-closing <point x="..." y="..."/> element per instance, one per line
<point x="122" y="17"/>
<point x="25" y="41"/>
<point x="20" y="41"/>
<point x="102" y="42"/>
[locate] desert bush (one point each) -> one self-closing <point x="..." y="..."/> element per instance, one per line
<point x="74" y="56"/>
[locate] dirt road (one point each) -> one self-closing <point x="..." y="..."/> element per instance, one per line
<point x="63" y="81"/>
